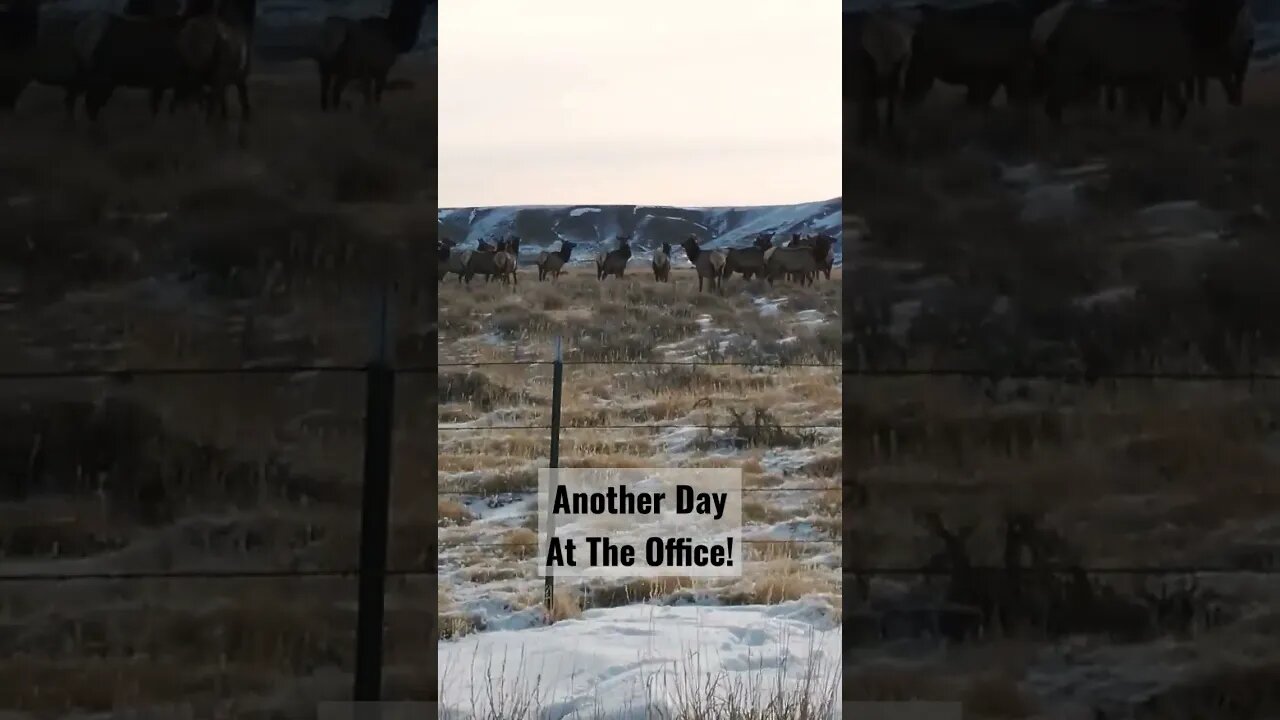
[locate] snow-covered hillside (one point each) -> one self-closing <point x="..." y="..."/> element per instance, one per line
<point x="592" y="227"/>
<point x="281" y="23"/>
<point x="1267" y="13"/>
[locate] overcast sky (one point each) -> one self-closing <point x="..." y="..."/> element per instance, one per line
<point x="664" y="102"/>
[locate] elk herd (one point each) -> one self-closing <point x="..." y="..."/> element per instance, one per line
<point x="1040" y="590"/>
<point x="1055" y="52"/>
<point x="190" y="49"/>
<point x="802" y="260"/>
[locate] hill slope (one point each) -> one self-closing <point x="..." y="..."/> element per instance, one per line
<point x="593" y="227"/>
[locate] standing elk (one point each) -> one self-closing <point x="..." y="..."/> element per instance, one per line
<point x="444" y="249"/>
<point x="365" y="50"/>
<point x="1154" y="50"/>
<point x="552" y="263"/>
<point x="456" y="263"/>
<point x="801" y="262"/>
<point x="138" y="49"/>
<point x="499" y="263"/>
<point x="981" y="47"/>
<point x="709" y="264"/>
<point x="216" y="49"/>
<point x="748" y="261"/>
<point x="662" y="263"/>
<point x="512" y="249"/>
<point x="614" y="262"/>
<point x="825" y="265"/>
<point x="881" y="52"/>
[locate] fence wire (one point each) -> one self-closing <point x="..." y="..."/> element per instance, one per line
<point x="125" y="375"/>
<point x="1155" y="571"/>
<point x="638" y="426"/>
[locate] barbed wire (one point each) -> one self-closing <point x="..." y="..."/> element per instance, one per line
<point x="12" y="578"/>
<point x="817" y="488"/>
<point x="205" y="575"/>
<point x="662" y="363"/>
<point x="1086" y="569"/>
<point x="481" y="543"/>
<point x="636" y="426"/>
<point x="125" y="374"/>
<point x="1062" y="374"/>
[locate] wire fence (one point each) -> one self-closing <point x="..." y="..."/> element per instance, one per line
<point x="373" y="570"/>
<point x="557" y="427"/>
<point x="888" y="373"/>
<point x="370" y="573"/>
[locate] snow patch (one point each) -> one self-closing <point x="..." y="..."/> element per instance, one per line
<point x="630" y="662"/>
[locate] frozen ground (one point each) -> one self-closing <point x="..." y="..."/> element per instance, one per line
<point x="634" y="662"/>
<point x="1101" y="248"/>
<point x="619" y="632"/>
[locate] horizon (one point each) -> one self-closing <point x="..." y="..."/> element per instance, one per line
<point x="733" y="104"/>
<point x="658" y="205"/>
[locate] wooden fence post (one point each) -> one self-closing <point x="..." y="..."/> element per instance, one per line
<point x="374" y="509"/>
<point x="557" y="383"/>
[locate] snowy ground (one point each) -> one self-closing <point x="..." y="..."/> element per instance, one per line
<point x="1130" y="473"/>
<point x="593" y="229"/>
<point x="632" y="663"/>
<point x="782" y="614"/>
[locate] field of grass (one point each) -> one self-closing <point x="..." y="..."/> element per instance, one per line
<point x="614" y="334"/>
<point x="1100" y="247"/>
<point x="166" y="243"/>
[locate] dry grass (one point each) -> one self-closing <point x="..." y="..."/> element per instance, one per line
<point x="167" y="244"/>
<point x="687" y="692"/>
<point x="711" y="416"/>
<point x="1129" y="473"/>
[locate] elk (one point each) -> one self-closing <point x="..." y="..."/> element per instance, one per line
<point x="802" y="262"/>
<point x="984" y="591"/>
<point x="662" y="263"/>
<point x="444" y="250"/>
<point x="365" y="50"/>
<point x="614" y="262"/>
<point x="798" y="241"/>
<point x="500" y="263"/>
<point x="512" y="249"/>
<point x="133" y="50"/>
<point x="456" y="263"/>
<point x="552" y="263"/>
<point x="216" y="50"/>
<point x="748" y="261"/>
<point x="708" y="263"/>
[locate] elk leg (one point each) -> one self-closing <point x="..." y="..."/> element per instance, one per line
<point x="1155" y="106"/>
<point x="326" y="79"/>
<point x="980" y="94"/>
<point x="1053" y="105"/>
<point x="96" y="98"/>
<point x="338" y="86"/>
<point x="242" y="90"/>
<point x="210" y="104"/>
<point x="69" y="102"/>
<point x="871" y="119"/>
<point x="1180" y="105"/>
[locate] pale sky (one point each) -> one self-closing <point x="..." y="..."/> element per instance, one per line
<point x="653" y="102"/>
